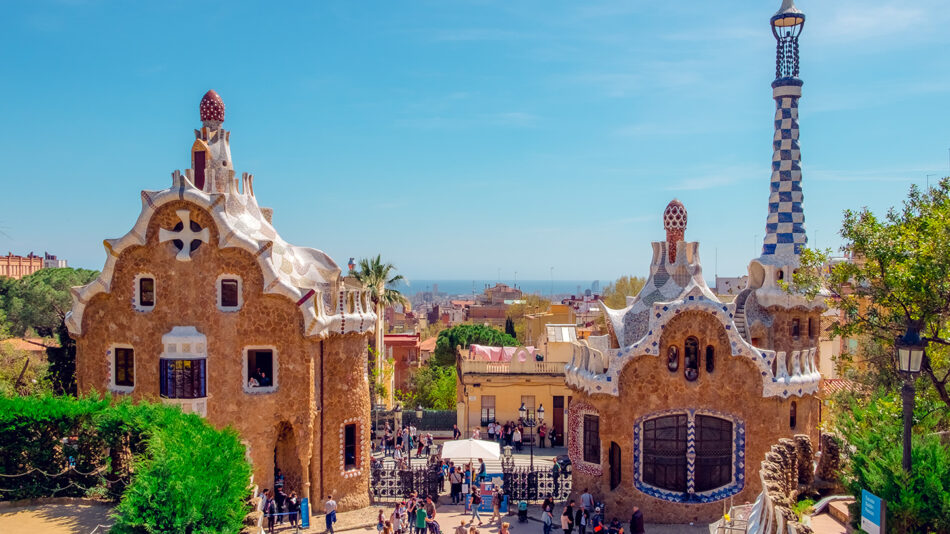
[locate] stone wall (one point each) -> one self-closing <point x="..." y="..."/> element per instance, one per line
<point x="186" y="295"/>
<point x="733" y="388"/>
<point x="787" y="472"/>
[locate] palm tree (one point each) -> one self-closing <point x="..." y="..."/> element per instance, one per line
<point x="379" y="278"/>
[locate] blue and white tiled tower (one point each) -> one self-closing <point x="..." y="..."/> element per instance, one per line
<point x="785" y="229"/>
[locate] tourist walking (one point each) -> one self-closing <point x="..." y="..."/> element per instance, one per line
<point x="455" y="484"/>
<point x="567" y="518"/>
<point x="330" y="508"/>
<point x="430" y="508"/>
<point x="542" y="431"/>
<point x="547" y="520"/>
<point x="516" y="437"/>
<point x="456" y="433"/>
<point x="476" y="502"/>
<point x="496" y="499"/>
<point x="270" y="509"/>
<point x="482" y="471"/>
<point x="580" y="520"/>
<point x="421" y="517"/>
<point x="293" y="507"/>
<point x="587" y="501"/>
<point x="396" y="518"/>
<point x="636" y="521"/>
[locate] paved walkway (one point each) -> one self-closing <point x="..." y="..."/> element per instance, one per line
<point x="55" y="519"/>
<point x="450" y="516"/>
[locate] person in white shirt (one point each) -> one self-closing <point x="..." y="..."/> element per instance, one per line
<point x="516" y="437"/>
<point x="330" y="508"/>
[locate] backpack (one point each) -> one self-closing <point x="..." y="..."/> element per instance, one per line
<point x="476" y="499"/>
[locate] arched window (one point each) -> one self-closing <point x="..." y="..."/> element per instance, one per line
<point x="200" y="169"/>
<point x="713" y="452"/>
<point x="615" y="463"/>
<point x="673" y="358"/>
<point x="664" y="452"/>
<point x="691" y="359"/>
<point x="781" y="274"/>
<point x="793" y="415"/>
<point x="682" y="457"/>
<point x="710" y="358"/>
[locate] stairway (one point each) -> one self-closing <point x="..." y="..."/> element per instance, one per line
<point x="739" y="315"/>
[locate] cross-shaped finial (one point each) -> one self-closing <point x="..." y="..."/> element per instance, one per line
<point x="187" y="235"/>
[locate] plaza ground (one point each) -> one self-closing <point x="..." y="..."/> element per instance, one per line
<point x="60" y="518"/>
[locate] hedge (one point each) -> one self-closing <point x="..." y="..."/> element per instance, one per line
<point x="169" y="471"/>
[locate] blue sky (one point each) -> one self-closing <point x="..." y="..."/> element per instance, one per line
<point x="459" y="138"/>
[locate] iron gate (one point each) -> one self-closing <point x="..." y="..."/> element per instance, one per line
<point x="394" y="484"/>
<point x="523" y="484"/>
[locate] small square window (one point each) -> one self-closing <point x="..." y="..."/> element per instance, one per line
<point x="124" y="367"/>
<point x="260" y="370"/>
<point x="229" y="293"/>
<point x="146" y="292"/>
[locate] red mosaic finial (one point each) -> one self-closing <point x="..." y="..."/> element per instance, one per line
<point x="212" y="107"/>
<point x="674" y="221"/>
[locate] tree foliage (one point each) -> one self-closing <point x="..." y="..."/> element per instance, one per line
<point x="379" y="278"/>
<point x="22" y="373"/>
<point x="184" y="475"/>
<point x="872" y="429"/>
<point x="616" y="293"/>
<point x="464" y="335"/>
<point x="898" y="276"/>
<point x="431" y="386"/>
<point x="38" y="304"/>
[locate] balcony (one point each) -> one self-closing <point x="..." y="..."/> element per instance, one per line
<point x="529" y="367"/>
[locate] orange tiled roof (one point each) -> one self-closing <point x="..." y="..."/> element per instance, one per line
<point x="830" y="386"/>
<point x="428" y="345"/>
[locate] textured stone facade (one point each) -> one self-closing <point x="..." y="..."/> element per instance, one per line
<point x="648" y="387"/>
<point x="291" y="301"/>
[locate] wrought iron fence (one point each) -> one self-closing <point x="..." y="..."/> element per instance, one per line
<point x="523" y="484"/>
<point x="394" y="484"/>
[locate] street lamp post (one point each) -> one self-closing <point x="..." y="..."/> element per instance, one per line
<point x="910" y="354"/>
<point x="530" y="422"/>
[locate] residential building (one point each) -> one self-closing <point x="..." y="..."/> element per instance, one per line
<point x="536" y="323"/>
<point x="17" y="267"/>
<point x="204" y="306"/>
<point x="494" y="382"/>
<point x="403" y="350"/>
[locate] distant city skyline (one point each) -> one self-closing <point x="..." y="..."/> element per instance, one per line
<point x="459" y="139"/>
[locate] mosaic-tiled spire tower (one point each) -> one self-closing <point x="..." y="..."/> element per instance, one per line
<point x="785" y="228"/>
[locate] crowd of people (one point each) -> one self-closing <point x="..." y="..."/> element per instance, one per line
<point x="401" y="443"/>
<point x="513" y="435"/>
<point x="279" y="506"/>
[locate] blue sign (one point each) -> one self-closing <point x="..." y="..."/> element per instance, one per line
<point x="304" y="513"/>
<point x="873" y="509"/>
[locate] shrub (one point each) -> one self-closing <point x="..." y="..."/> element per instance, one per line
<point x="171" y="472"/>
<point x="918" y="501"/>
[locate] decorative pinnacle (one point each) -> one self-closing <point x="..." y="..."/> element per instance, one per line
<point x="674" y="222"/>
<point x="211" y="107"/>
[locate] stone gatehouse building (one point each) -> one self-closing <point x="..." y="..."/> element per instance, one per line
<point x="203" y="305"/>
<point x="675" y="408"/>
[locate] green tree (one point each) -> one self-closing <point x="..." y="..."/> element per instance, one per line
<point x="898" y="275"/>
<point x="464" y="335"/>
<point x="39" y="303"/>
<point x="918" y="501"/>
<point x="379" y="278"/>
<point x="616" y="293"/>
<point x="432" y="386"/>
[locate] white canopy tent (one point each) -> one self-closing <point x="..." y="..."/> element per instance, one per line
<point x="469" y="449"/>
